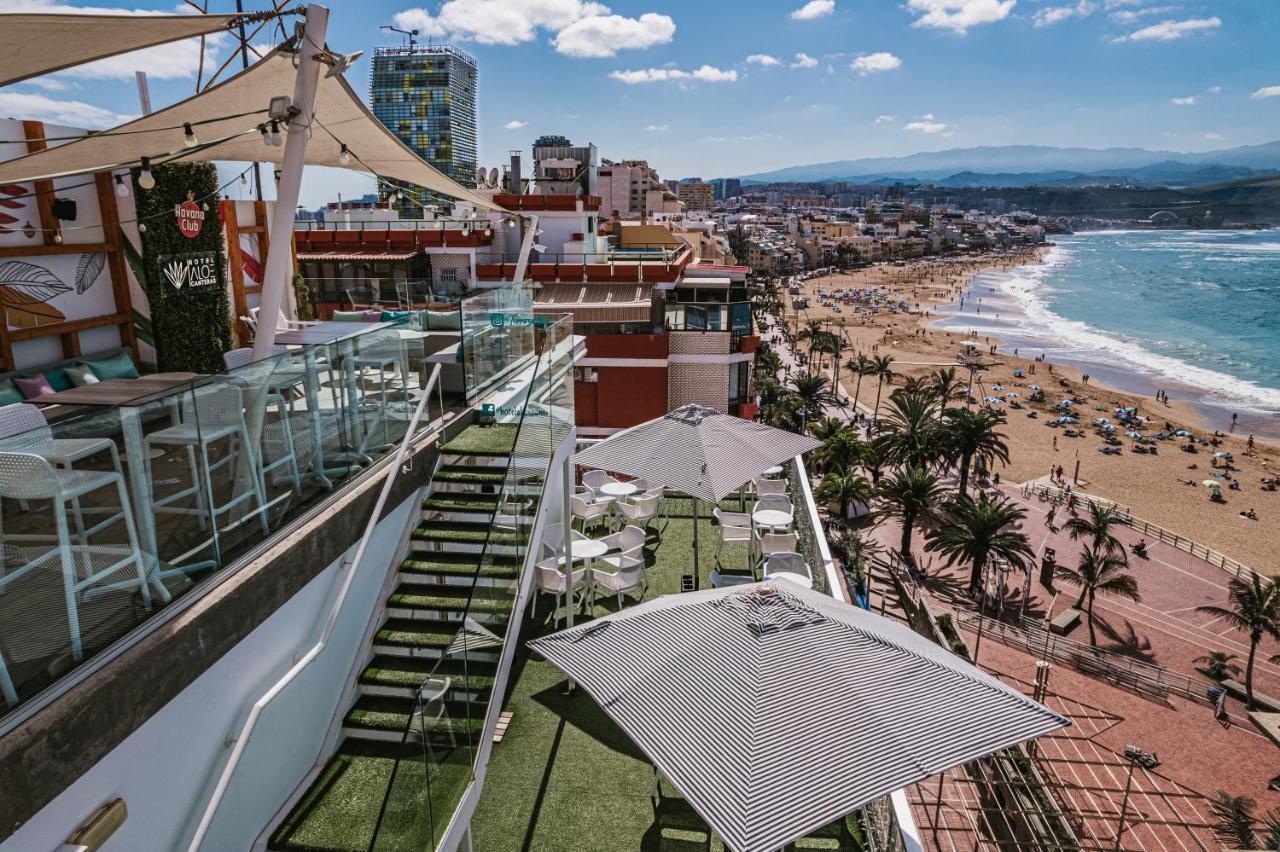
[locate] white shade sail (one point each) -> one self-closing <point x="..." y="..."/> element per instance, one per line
<point x="224" y="132"/>
<point x="36" y="44"/>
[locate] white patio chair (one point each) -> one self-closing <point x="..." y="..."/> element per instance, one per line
<point x="552" y="580"/>
<point x="587" y="510"/>
<point x="628" y="574"/>
<point x="766" y="487"/>
<point x="430" y="710"/>
<point x="735" y="528"/>
<point x="29" y="476"/>
<point x="23" y="428"/>
<point x="210" y="414"/>
<point x="641" y="512"/>
<point x="719" y="581"/>
<point x="553" y="540"/>
<point x="787" y="563"/>
<point x="593" y="479"/>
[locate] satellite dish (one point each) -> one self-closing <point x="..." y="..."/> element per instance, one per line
<point x="480" y="173"/>
<point x="493" y="176"/>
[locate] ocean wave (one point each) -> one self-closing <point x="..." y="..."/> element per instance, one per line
<point x="1029" y="286"/>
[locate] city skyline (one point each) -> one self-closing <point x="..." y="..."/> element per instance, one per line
<point x="706" y="90"/>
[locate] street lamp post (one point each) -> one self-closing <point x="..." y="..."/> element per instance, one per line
<point x="1136" y="757"/>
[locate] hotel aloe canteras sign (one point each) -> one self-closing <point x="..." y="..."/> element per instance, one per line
<point x="185" y="268"/>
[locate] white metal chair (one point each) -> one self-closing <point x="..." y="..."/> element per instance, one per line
<point x="628" y="574"/>
<point x="766" y="487"/>
<point x="787" y="563"/>
<point x="594" y="479"/>
<point x="211" y="414"/>
<point x="735" y="528"/>
<point x="641" y="512"/>
<point x="770" y="543"/>
<point x="430" y="710"/>
<point x="588" y="511"/>
<point x="719" y="581"/>
<point x="553" y="539"/>
<point x="553" y="580"/>
<point x="29" y="476"/>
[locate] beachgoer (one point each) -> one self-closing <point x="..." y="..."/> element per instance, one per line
<point x="1055" y="443"/>
<point x="1249" y="446"/>
<point x="1048" y="519"/>
<point x="1060" y="474"/>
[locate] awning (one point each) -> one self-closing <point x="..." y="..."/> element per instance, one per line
<point x="597" y="302"/>
<point x="41" y="44"/>
<point x="356" y="255"/>
<point x="340" y="118"/>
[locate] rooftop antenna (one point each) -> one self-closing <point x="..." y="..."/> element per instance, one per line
<point x="409" y="33"/>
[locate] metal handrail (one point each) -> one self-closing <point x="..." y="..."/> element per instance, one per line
<point x="246" y="730"/>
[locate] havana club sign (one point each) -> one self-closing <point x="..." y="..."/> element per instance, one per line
<point x="190" y="216"/>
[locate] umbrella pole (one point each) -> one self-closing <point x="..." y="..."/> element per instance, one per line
<point x="696" y="582"/>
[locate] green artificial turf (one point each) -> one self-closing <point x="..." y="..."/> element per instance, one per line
<point x="403" y="672"/>
<point x="496" y="440"/>
<point x="470" y="473"/>
<point x="461" y="564"/>
<point x="484" y="600"/>
<point x="447" y="501"/>
<point x="416" y="633"/>
<point x="465" y="533"/>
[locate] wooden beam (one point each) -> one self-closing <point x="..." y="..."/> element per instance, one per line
<point x="35" y="251"/>
<point x="34" y="131"/>
<point x="69" y="327"/>
<point x="116" y="265"/>
<point x="236" y="261"/>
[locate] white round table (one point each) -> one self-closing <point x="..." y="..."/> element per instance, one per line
<point x="618" y="489"/>
<point x="771" y="518"/>
<point x="798" y="579"/>
<point x="774" y="471"/>
<point x="588" y="549"/>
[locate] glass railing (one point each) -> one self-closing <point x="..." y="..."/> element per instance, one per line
<point x="117" y="498"/>
<point x="447" y="734"/>
<point x="364" y="292"/>
<point x="497" y="336"/>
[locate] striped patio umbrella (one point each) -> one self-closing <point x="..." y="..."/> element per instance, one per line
<point x="696" y="451"/>
<point x="775" y="710"/>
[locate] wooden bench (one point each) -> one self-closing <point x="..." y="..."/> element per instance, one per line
<point x="1268" y="723"/>
<point x="1236" y="690"/>
<point x="1065" y="621"/>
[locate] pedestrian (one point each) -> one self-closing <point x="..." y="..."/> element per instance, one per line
<point x="1048" y="519"/>
<point x="1055" y="443"/>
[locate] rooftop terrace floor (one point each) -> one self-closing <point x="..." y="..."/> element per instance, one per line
<point x="565" y="776"/>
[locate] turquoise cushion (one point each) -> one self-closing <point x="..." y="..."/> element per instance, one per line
<point x="117" y="367"/>
<point x="80" y="375"/>
<point x="8" y="393"/>
<point x="443" y="320"/>
<point x="58" y="380"/>
<point x="396" y="316"/>
<point x="348" y="316"/>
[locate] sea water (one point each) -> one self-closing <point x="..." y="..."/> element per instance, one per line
<point x="1196" y="313"/>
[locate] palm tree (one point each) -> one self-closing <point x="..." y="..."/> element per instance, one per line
<point x="882" y="369"/>
<point x="811" y="332"/>
<point x="946" y="386"/>
<point x="909" y="495"/>
<point x="813" y="393"/>
<point x="1096" y="527"/>
<point x="827" y="428"/>
<point x="972" y="434"/>
<point x="976" y="530"/>
<point x="841" y="452"/>
<point x="1218" y="665"/>
<point x="909" y="431"/>
<point x="1254" y="607"/>
<point x="1236" y="823"/>
<point x="852" y="552"/>
<point x="860" y="366"/>
<point x="1100" y="571"/>
<point x="844" y="489"/>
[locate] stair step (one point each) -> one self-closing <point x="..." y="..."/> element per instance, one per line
<point x="408" y="674"/>
<point x="461" y="502"/>
<point x="447" y="564"/>
<point x="378" y="713"/>
<point x="466" y="532"/>
<point x="495" y="440"/>
<point x="445" y="599"/>
<point x="470" y="474"/>
<point x="414" y="633"/>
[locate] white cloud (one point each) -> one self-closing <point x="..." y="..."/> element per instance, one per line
<point x="1126" y="17"/>
<point x="1214" y="90"/>
<point x="515" y="124"/>
<point x="1214" y="137"/>
<point x="763" y="59"/>
<point x="885" y="119"/>
<point x="1190" y="100"/>
<point x="706" y="74"/>
<point x="604" y="35"/>
<point x="1173" y="30"/>
<point x="71" y="113"/>
<point x="814" y="9"/>
<point x="804" y="60"/>
<point x="959" y="15"/>
<point x="1056" y="14"/>
<point x="925" y="124"/>
<point x="874" y="63"/>
<point x="582" y="28"/>
<point x="49" y="84"/>
<point x="657" y="128"/>
<point x="1266" y="92"/>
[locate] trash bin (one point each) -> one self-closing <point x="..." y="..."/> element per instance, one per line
<point x="1047" y="563"/>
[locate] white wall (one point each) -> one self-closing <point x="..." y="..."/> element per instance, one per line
<point x="165" y="770"/>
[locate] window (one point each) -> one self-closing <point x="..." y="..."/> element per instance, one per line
<point x="586" y="375"/>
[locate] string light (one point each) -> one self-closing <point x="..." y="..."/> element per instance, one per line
<point x="276" y="139"/>
<point x="142" y="227"/>
<point x="344" y="156"/>
<point x="122" y="188"/>
<point x="189" y="136"/>
<point x="244" y="181"/>
<point x="28" y="230"/>
<point x="146" y="180"/>
<point x="266" y="138"/>
<point x="57" y="236"/>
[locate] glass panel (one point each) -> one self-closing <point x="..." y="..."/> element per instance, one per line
<point x="497" y="336"/>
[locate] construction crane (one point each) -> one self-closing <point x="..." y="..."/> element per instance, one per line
<point x="409" y="33"/>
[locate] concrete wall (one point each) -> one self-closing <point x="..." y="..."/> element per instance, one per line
<point x="165" y="769"/>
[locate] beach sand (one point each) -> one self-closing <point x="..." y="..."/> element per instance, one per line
<point x="1148" y="484"/>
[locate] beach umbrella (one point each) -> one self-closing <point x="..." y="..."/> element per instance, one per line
<point x="698" y="451"/>
<point x="1108" y="427"/>
<point x="1034" y="387"/>
<point x="1011" y="395"/>
<point x="1183" y="433"/>
<point x="1222" y="455"/>
<point x="1134" y="434"/>
<point x="707" y="684"/>
<point x="1212" y="484"/>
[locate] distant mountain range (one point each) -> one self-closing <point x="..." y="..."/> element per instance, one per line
<point x="1040" y="165"/>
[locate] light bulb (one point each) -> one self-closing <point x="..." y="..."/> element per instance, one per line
<point x="189" y="136"/>
<point x="122" y="188"/>
<point x="276" y="140"/>
<point x="266" y="138"/>
<point x="205" y="206"/>
<point x="28" y="230"/>
<point x="511" y="223"/>
<point x="344" y="156"/>
<point x="142" y="227"/>
<point x="146" y="180"/>
<point x="57" y="236"/>
<point x="244" y="181"/>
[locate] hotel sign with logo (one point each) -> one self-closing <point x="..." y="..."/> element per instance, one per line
<point x="192" y="270"/>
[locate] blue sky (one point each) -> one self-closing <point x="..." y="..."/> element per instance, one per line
<point x="723" y="87"/>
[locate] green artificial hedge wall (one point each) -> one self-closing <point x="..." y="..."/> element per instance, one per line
<point x="191" y="321"/>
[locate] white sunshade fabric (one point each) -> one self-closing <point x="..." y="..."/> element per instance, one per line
<point x="340" y="117"/>
<point x="38" y="44"/>
<point x="716" y="687"/>
<point x="697" y="451"/>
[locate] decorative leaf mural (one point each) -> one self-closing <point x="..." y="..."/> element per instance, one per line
<point x="25" y="290"/>
<point x="88" y="269"/>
